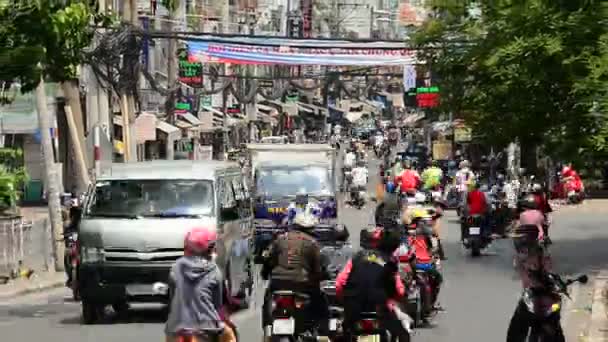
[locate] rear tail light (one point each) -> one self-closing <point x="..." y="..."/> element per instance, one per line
<point x="284" y="302"/>
<point x="368" y="325"/>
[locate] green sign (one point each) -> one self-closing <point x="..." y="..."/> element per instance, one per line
<point x="426" y="90"/>
<point x="182" y="106"/>
<point x="207" y="101"/>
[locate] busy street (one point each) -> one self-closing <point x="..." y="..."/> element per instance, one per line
<point x="304" y="170"/>
<point x="478" y="296"/>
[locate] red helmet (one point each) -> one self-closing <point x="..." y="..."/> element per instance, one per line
<point x="200" y="241"/>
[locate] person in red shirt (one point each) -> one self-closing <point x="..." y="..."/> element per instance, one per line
<point x="408" y="180"/>
<point x="572" y="181"/>
<point x="476" y="202"/>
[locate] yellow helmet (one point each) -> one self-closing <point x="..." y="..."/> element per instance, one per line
<point x="420" y="213"/>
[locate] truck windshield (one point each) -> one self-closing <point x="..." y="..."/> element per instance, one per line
<point x="288" y="181"/>
<point x="152" y="198"/>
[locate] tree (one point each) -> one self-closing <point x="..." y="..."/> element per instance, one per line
<point x="49" y="38"/>
<point x="514" y="70"/>
<point x="45" y="39"/>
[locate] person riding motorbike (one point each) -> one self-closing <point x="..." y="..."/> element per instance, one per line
<point x="350" y="158"/>
<point x="293" y="262"/>
<point x="528" y="240"/>
<point x="477" y="205"/>
<point x="409" y="180"/>
<point x="379" y="143"/>
<point x="571" y="180"/>
<point x="432" y="176"/>
<point x="360" y="177"/>
<point x="370" y="282"/>
<point x="388" y="208"/>
<point x="417" y="219"/>
<point x="464" y="179"/>
<point x="543" y="205"/>
<point x="195" y="289"/>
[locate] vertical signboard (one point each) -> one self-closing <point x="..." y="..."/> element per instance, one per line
<point x="409" y="77"/>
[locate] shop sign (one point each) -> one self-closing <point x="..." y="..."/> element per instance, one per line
<point x="234" y="109"/>
<point x="427" y="97"/>
<point x="463" y="134"/>
<point x="182" y="107"/>
<point x="190" y="72"/>
<point x="206" y="101"/>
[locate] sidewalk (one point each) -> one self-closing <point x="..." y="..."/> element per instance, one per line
<point x="598" y="329"/>
<point x="588" y="206"/>
<point x="37" y="283"/>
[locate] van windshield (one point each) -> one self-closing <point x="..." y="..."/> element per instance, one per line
<point x="289" y="181"/>
<point x="152" y="198"/>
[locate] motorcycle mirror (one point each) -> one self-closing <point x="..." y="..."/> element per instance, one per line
<point x="583" y="279"/>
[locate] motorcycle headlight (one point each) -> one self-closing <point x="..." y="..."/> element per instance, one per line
<point x="90" y="255"/>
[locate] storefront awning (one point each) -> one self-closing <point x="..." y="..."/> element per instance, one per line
<point x="212" y="110"/>
<point x="304" y="107"/>
<point x="167" y="128"/>
<point x="267" y="110"/>
<point x="190" y="119"/>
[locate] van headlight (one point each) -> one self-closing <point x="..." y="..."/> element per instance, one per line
<point x="90" y="255"/>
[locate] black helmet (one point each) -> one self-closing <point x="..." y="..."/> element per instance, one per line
<point x="390" y="240"/>
<point x="529" y="202"/>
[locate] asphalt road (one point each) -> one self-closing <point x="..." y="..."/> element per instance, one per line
<point x="478" y="295"/>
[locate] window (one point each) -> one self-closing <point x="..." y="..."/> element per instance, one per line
<point x="243" y="199"/>
<point x="152" y="198"/>
<point x="229" y="210"/>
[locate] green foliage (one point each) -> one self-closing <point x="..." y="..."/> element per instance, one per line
<point x="47" y="37"/>
<point x="12" y="177"/>
<point x="525" y="69"/>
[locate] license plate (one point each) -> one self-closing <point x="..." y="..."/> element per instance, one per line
<point x="474" y="231"/>
<point x="139" y="289"/>
<point x="333" y="324"/>
<point x="368" y="338"/>
<point x="283" y="326"/>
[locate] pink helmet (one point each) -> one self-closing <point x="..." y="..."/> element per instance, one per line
<point x="199" y="241"/>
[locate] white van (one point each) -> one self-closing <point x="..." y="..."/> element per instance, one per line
<point x="135" y="219"/>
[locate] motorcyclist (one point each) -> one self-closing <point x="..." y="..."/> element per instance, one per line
<point x="389" y="207"/>
<point x="421" y="219"/>
<point x="571" y="180"/>
<point x="432" y="176"/>
<point x="531" y="258"/>
<point x="370" y="282"/>
<point x="542" y="203"/>
<point x="477" y="205"/>
<point x="409" y="179"/>
<point x="195" y="289"/>
<point x="464" y="178"/>
<point x="350" y="158"/>
<point x="293" y="262"/>
<point x="528" y="236"/>
<point x="378" y="142"/>
<point x="360" y="177"/>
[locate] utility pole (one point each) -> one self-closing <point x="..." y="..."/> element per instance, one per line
<point x="172" y="65"/>
<point x="52" y="178"/>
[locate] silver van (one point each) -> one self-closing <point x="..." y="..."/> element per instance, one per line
<point x="134" y="221"/>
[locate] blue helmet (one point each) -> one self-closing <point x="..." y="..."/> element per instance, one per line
<point x="390" y="187"/>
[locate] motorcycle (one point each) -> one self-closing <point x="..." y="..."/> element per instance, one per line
<point x="538" y="312"/>
<point x="369" y="329"/>
<point x="72" y="262"/>
<point x="472" y="237"/>
<point x="291" y="318"/>
<point x="163" y="290"/>
<point x="347" y="178"/>
<point x="357" y="197"/>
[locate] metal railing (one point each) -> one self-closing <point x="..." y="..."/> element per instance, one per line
<point x="25" y="246"/>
